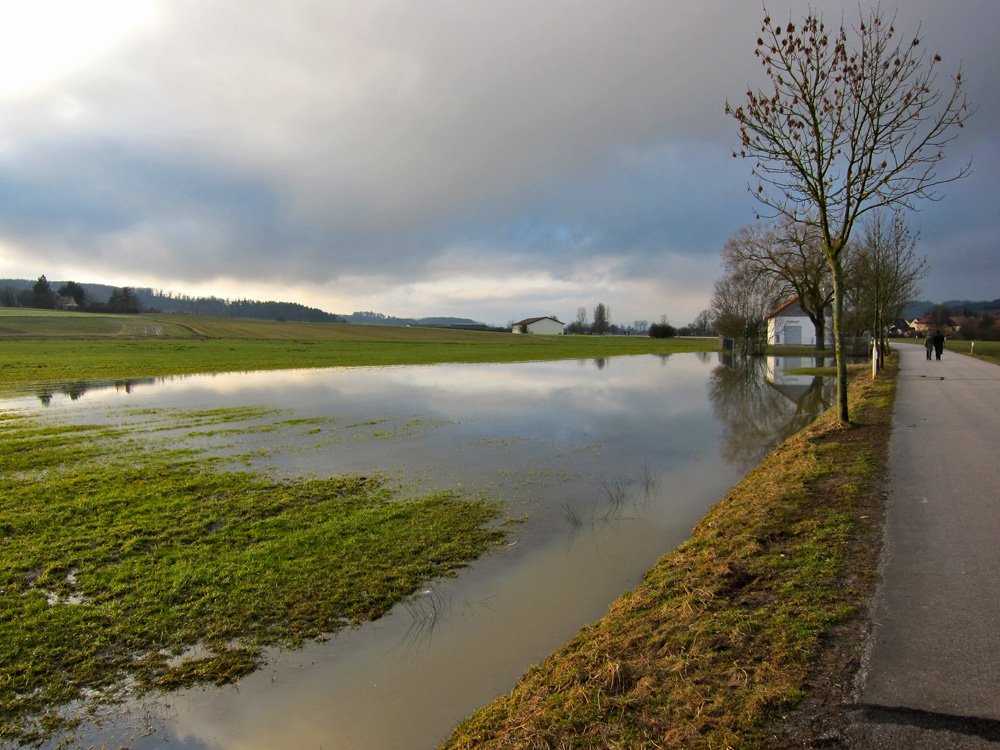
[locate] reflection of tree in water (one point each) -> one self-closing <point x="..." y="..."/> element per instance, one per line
<point x="73" y="390"/>
<point x="77" y="389"/>
<point x="756" y="414"/>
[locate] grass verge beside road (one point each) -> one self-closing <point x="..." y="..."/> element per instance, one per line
<point x="985" y="350"/>
<point x="721" y="638"/>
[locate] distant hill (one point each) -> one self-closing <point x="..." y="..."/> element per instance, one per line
<point x="168" y="302"/>
<point x="380" y="319"/>
<point x="958" y="307"/>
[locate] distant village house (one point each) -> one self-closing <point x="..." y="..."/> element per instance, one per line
<point x="545" y="326"/>
<point x="66" y="303"/>
<point x="925" y="325"/>
<point x="901" y="328"/>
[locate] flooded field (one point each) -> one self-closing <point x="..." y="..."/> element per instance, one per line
<point x="609" y="463"/>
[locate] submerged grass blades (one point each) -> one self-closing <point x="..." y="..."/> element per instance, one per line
<point x="115" y="559"/>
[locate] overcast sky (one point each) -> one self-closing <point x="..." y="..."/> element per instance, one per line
<point x="489" y="160"/>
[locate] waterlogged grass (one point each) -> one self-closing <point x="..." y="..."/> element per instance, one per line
<point x="721" y="637"/>
<point x="69" y="347"/>
<point x="127" y="566"/>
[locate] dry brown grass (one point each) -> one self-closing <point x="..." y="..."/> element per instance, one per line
<point x="723" y="634"/>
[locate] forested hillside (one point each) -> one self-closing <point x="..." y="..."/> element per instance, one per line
<point x="15" y="292"/>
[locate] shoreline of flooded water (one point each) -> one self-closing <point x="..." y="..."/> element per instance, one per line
<point x="609" y="465"/>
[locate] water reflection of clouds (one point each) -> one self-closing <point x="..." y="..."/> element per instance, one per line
<point x="587" y="447"/>
<point x="525" y="379"/>
<point x="531" y="378"/>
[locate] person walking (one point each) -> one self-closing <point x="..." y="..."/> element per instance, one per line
<point x="938" y="344"/>
<point x="929" y="345"/>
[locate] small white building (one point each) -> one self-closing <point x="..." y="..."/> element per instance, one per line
<point x="790" y="326"/>
<point x="545" y="326"/>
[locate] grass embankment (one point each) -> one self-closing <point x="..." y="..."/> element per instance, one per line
<point x="723" y="633"/>
<point x="129" y="563"/>
<point x="61" y="347"/>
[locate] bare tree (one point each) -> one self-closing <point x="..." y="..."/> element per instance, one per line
<point x="849" y="126"/>
<point x="939" y="317"/>
<point x="885" y="273"/>
<point x="740" y="303"/>
<point x="702" y="324"/>
<point x="579" y="325"/>
<point x="791" y="254"/>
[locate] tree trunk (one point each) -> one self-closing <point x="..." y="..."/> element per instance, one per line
<point x="820" y="325"/>
<point x="838" y="336"/>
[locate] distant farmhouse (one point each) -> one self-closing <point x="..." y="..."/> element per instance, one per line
<point x="790" y="326"/>
<point x="901" y="328"/>
<point x="543" y="326"/>
<point x="66" y="303"/>
<point x="925" y="325"/>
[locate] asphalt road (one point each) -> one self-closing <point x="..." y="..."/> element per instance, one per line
<point x="931" y="674"/>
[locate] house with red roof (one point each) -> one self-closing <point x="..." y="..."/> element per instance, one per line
<point x="790" y="326"/>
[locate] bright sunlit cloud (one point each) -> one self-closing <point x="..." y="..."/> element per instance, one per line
<point x="487" y="160"/>
<point x="42" y="41"/>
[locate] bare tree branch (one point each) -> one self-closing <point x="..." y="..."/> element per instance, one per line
<point x="854" y="122"/>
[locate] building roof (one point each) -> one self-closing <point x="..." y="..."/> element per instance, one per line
<point x="529" y="321"/>
<point x="792" y="308"/>
<point x="784" y="307"/>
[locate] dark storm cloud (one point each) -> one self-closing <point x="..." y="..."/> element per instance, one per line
<point x="305" y="142"/>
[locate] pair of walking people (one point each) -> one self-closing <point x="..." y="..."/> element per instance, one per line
<point x="934" y="343"/>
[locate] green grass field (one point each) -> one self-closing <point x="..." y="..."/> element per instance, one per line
<point x="986" y="350"/>
<point x="87" y="511"/>
<point x="131" y="559"/>
<point x="40" y="346"/>
<point x="126" y="560"/>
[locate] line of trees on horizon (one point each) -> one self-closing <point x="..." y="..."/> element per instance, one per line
<point x="41" y="295"/>
<point x="602" y="325"/>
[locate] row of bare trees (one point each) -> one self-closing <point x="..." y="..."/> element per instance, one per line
<point x="853" y="121"/>
<point x="601" y="324"/>
<point x="883" y="271"/>
<point x="766" y="264"/>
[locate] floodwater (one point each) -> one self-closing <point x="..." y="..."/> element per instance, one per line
<point x="609" y="462"/>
